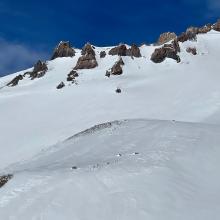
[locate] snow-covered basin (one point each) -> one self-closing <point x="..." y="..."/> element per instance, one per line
<point x="134" y="169"/>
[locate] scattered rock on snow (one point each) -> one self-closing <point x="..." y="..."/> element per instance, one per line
<point x="72" y="75"/>
<point x="118" y="90"/>
<point x="4" y="179"/>
<point x="102" y="54"/>
<point x="63" y="49"/>
<point x="191" y="50"/>
<point x="15" y="81"/>
<point x="61" y="85"/>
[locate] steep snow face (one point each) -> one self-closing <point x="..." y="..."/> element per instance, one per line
<point x="35" y="115"/>
<point x="138" y="169"/>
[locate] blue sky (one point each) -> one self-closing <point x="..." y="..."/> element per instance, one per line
<point x="31" y="29"/>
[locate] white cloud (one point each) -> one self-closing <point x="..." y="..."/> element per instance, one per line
<point x="15" y="57"/>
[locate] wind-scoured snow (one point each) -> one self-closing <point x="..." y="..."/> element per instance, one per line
<point x="138" y="169"/>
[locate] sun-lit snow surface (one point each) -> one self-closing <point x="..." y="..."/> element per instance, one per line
<point x="138" y="169"/>
<point x="35" y="115"/>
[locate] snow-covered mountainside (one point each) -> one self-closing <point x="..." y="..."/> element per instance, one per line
<point x="154" y="168"/>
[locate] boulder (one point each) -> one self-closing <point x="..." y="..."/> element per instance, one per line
<point x="167" y="51"/>
<point x="88" y="59"/>
<point x="216" y="26"/>
<point x="117" y="67"/>
<point x="118" y="90"/>
<point x="14" y="82"/>
<point x="102" y="54"/>
<point x="63" y="49"/>
<point x="191" y="50"/>
<point x="166" y="37"/>
<point x="4" y="179"/>
<point x="134" y="51"/>
<point x="120" y="50"/>
<point x="61" y="85"/>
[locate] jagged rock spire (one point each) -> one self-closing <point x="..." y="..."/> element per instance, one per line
<point x="63" y="49"/>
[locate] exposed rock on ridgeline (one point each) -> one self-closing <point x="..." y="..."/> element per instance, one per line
<point x="167" y="51"/>
<point x="72" y="75"/>
<point x="102" y="54"/>
<point x="40" y="69"/>
<point x="166" y="37"/>
<point x="15" y="81"/>
<point x="88" y="59"/>
<point x="216" y="26"/>
<point x="122" y="50"/>
<point x="63" y="49"/>
<point x="191" y="50"/>
<point x="116" y="69"/>
<point x="134" y="51"/>
<point x="4" y="179"/>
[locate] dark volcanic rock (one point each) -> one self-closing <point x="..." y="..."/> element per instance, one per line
<point x="102" y="54"/>
<point x="117" y="68"/>
<point x="134" y="51"/>
<point x="166" y="37"/>
<point x="120" y="50"/>
<point x="4" y="179"/>
<point x="88" y="59"/>
<point x="15" y="81"/>
<point x="216" y="26"/>
<point x="167" y="51"/>
<point x="72" y="75"/>
<point x="61" y="85"/>
<point x="118" y="90"/>
<point x="64" y="49"/>
<point x="191" y="50"/>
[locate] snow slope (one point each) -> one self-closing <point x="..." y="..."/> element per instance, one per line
<point x="175" y="175"/>
<point x="136" y="169"/>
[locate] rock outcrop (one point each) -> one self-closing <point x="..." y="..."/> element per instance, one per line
<point x="167" y="51"/>
<point x="4" y="179"/>
<point x="64" y="49"/>
<point x="205" y="29"/>
<point x="15" y="81"/>
<point x="40" y="69"/>
<point x="120" y="50"/>
<point x="191" y="50"/>
<point x="166" y="37"/>
<point x="134" y="51"/>
<point x="116" y="69"/>
<point x="216" y="26"/>
<point x="88" y="59"/>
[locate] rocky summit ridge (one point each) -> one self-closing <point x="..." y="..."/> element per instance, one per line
<point x="167" y="46"/>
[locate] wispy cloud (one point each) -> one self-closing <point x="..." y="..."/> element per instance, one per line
<point x="15" y="57"/>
